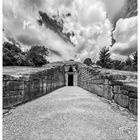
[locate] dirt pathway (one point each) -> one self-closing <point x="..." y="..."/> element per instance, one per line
<point x="69" y="113"/>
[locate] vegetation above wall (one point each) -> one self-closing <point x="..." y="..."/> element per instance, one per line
<point x="36" y="57"/>
<point x="105" y="61"/>
<point x="88" y="61"/>
<point x="14" y="56"/>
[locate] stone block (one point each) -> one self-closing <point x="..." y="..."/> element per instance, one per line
<point x="12" y="93"/>
<point x="98" y="81"/>
<point x="124" y="92"/>
<point x="106" y="81"/>
<point x="98" y="89"/>
<point x="103" y="91"/>
<point x="115" y="82"/>
<point x="108" y="94"/>
<point x="26" y="95"/>
<point x="116" y="89"/>
<point x="133" y="105"/>
<point x="133" y="95"/>
<point x="9" y="102"/>
<point x="14" y="85"/>
<point x="97" y="77"/>
<point x="26" y="85"/>
<point x="130" y="88"/>
<point x="121" y="99"/>
<point x="118" y="77"/>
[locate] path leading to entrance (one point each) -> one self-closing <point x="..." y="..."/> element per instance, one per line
<point x="69" y="113"/>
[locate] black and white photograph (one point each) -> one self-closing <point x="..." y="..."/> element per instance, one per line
<point x="69" y="70"/>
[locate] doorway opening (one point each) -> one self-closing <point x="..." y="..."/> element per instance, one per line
<point x="70" y="70"/>
<point x="70" y="80"/>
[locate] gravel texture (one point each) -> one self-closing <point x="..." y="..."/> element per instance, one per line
<point x="69" y="113"/>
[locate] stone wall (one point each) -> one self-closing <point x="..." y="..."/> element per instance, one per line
<point x="19" y="89"/>
<point x="111" y="87"/>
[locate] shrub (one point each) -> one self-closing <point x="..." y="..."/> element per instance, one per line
<point x="88" y="61"/>
<point x="36" y="56"/>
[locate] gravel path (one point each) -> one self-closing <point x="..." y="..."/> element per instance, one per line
<point x="69" y="113"/>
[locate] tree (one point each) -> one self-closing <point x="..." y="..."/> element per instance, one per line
<point x="128" y="61"/>
<point x="12" y="55"/>
<point x="88" y="61"/>
<point x="135" y="60"/>
<point x="128" y="64"/>
<point x="37" y="55"/>
<point x="104" y="58"/>
<point x="118" y="65"/>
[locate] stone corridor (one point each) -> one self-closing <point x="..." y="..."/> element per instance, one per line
<point x="69" y="113"/>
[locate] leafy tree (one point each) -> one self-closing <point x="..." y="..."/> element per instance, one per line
<point x="36" y="56"/>
<point x="88" y="61"/>
<point x="118" y="64"/>
<point x="135" y="60"/>
<point x="128" y="64"/>
<point x="128" y="61"/>
<point x="12" y="55"/>
<point x="104" y="58"/>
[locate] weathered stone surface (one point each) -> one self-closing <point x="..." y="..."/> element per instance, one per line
<point x="11" y="101"/>
<point x="132" y="94"/>
<point x="14" y="85"/>
<point x="129" y="88"/>
<point x="98" y="81"/>
<point x="36" y="84"/>
<point x="108" y="94"/>
<point x="41" y="81"/>
<point x="12" y="93"/>
<point x="133" y="105"/>
<point x="106" y="81"/>
<point x="26" y="85"/>
<point x="116" y="89"/>
<point x="121" y="99"/>
<point x="124" y="92"/>
<point x="103" y="91"/>
<point x="115" y="82"/>
<point x="97" y="89"/>
<point x="111" y="85"/>
<point x="117" y="77"/>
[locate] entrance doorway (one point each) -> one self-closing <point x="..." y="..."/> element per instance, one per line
<point x="70" y="80"/>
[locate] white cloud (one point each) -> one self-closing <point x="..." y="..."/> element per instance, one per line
<point x="125" y="35"/>
<point x="89" y="21"/>
<point x="91" y="27"/>
<point x="115" y="8"/>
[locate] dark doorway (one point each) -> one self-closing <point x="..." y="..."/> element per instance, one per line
<point x="70" y="70"/>
<point x="70" y="80"/>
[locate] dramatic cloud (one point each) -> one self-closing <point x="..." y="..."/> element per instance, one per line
<point x="56" y="52"/>
<point x="125" y="35"/>
<point x="28" y="40"/>
<point x="92" y="32"/>
<point x="90" y="21"/>
<point x="115" y="9"/>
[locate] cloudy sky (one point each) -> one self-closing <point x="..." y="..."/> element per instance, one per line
<point x="91" y="21"/>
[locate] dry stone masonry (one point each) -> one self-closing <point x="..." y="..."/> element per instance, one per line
<point x="17" y="90"/>
<point x="120" y="88"/>
<point x="112" y="87"/>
